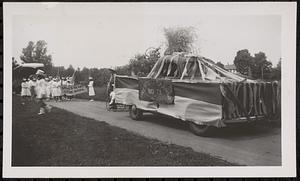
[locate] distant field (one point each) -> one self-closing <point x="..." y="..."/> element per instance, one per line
<point x="100" y="94"/>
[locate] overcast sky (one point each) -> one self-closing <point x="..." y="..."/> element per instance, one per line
<point x="108" y="35"/>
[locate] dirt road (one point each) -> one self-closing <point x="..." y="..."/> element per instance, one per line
<point x="255" y="146"/>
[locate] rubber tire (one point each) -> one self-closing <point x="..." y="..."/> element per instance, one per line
<point x="201" y="130"/>
<point x="135" y="113"/>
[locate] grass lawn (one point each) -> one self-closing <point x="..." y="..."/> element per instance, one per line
<point x="99" y="91"/>
<point x="61" y="138"/>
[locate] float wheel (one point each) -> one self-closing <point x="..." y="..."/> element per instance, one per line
<point x="135" y="113"/>
<point x="201" y="130"/>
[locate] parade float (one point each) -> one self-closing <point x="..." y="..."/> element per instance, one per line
<point x="194" y="89"/>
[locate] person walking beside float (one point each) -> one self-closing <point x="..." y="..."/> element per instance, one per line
<point x="91" y="89"/>
<point x="41" y="92"/>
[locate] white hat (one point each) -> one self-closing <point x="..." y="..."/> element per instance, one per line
<point x="40" y="72"/>
<point x="90" y="78"/>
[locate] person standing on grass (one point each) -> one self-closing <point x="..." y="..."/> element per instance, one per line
<point x="24" y="89"/>
<point x="50" y="87"/>
<point x="55" y="89"/>
<point x="47" y="82"/>
<point x="32" y="84"/>
<point x="70" y="86"/>
<point x="64" y="85"/>
<point x="59" y="89"/>
<point x="41" y="92"/>
<point x="91" y="89"/>
<point x="28" y="93"/>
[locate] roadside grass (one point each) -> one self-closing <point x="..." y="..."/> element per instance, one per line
<point x="61" y="138"/>
<point x="100" y="94"/>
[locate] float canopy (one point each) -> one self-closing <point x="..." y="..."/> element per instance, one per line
<point x="183" y="66"/>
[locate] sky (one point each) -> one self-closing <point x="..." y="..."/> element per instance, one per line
<point x="108" y="35"/>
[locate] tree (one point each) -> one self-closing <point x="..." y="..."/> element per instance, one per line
<point x="276" y="72"/>
<point x="260" y="65"/>
<point x="139" y="65"/>
<point x="85" y="73"/>
<point x="28" y="52"/>
<point x="142" y="64"/>
<point x="243" y="61"/>
<point x="179" y="39"/>
<point x="37" y="53"/>
<point x="254" y="67"/>
<point x="69" y="71"/>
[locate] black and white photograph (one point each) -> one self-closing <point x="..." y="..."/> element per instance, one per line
<point x="149" y="89"/>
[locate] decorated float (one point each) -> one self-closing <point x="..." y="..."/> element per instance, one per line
<point x="194" y="89"/>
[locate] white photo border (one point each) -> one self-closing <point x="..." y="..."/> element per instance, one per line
<point x="287" y="10"/>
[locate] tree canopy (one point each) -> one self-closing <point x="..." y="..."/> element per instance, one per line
<point x="260" y="65"/>
<point x="254" y="67"/>
<point x="243" y="61"/>
<point x="140" y="64"/>
<point x="37" y="53"/>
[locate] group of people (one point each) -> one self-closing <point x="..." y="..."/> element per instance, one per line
<point x="50" y="86"/>
<point x="41" y="87"/>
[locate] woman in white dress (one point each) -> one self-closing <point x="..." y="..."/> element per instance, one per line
<point x="32" y="84"/>
<point x="42" y="92"/>
<point x="24" y="87"/>
<point x="55" y="91"/>
<point x="91" y="89"/>
<point x="59" y="89"/>
<point x="28" y="93"/>
<point x="47" y="82"/>
<point x="51" y="87"/>
<point x="63" y="85"/>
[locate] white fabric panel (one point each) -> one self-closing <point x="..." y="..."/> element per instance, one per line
<point x="186" y="109"/>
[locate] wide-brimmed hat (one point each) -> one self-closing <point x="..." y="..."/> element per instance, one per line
<point x="40" y="72"/>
